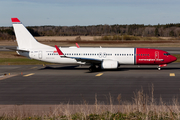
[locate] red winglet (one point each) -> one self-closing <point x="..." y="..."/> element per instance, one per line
<point x="58" y="50"/>
<point x="15" y="20"/>
<point x="77" y="45"/>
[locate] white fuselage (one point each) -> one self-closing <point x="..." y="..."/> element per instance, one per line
<point x="121" y="55"/>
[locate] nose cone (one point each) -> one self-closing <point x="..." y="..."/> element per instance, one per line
<point x="173" y="58"/>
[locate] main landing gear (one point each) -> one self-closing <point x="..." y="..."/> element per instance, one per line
<point x="94" y="68"/>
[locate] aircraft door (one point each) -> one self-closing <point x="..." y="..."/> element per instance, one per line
<point x="100" y="54"/>
<point x="104" y="55"/>
<point x="40" y="54"/>
<point x="156" y="56"/>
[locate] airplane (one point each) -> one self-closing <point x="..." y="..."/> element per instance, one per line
<point x="104" y="58"/>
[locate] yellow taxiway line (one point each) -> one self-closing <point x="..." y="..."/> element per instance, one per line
<point x="99" y="74"/>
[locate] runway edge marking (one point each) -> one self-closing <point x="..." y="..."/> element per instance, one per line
<point x="29" y="74"/>
<point x="8" y="76"/>
<point x="33" y="67"/>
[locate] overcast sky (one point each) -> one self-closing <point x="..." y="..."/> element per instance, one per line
<point x="89" y="12"/>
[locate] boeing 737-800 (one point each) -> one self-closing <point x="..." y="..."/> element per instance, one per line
<point x="104" y="58"/>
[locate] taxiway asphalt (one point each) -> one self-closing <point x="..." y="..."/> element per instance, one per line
<point x="55" y="84"/>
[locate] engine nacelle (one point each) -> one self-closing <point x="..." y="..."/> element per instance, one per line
<point x="109" y="64"/>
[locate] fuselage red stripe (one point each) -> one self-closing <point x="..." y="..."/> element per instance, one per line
<point x="135" y="56"/>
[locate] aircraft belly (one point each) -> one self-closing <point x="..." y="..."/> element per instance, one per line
<point x="128" y="60"/>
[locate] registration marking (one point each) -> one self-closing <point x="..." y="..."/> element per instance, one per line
<point x="28" y="74"/>
<point x="99" y="74"/>
<point x="172" y="74"/>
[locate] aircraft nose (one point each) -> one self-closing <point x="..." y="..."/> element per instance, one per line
<point x="173" y="58"/>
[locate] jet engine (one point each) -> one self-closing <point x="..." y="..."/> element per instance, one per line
<point x="109" y="64"/>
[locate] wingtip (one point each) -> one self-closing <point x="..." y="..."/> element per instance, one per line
<point x="58" y="50"/>
<point x="77" y="45"/>
<point x="16" y="20"/>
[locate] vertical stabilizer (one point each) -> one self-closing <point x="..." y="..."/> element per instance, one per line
<point x="24" y="38"/>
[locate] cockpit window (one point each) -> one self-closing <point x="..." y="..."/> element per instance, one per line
<point x="166" y="54"/>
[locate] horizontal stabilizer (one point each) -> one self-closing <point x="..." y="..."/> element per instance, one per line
<point x="15" y="49"/>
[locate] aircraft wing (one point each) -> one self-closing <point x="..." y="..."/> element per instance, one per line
<point x="87" y="60"/>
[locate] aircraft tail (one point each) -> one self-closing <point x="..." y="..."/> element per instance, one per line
<point x="24" y="38"/>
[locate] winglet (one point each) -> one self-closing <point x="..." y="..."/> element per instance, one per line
<point x="58" y="50"/>
<point x="15" y="20"/>
<point x="77" y="45"/>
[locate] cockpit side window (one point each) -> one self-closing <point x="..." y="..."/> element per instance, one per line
<point x="166" y="54"/>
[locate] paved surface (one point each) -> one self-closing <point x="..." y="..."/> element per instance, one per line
<point x="30" y="84"/>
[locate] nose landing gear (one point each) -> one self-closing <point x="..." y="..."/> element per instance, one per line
<point x="159" y="68"/>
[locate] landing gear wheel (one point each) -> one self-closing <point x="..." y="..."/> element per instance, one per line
<point x="92" y="68"/>
<point x="159" y="68"/>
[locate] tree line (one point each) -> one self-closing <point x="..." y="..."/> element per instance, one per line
<point x="168" y="30"/>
